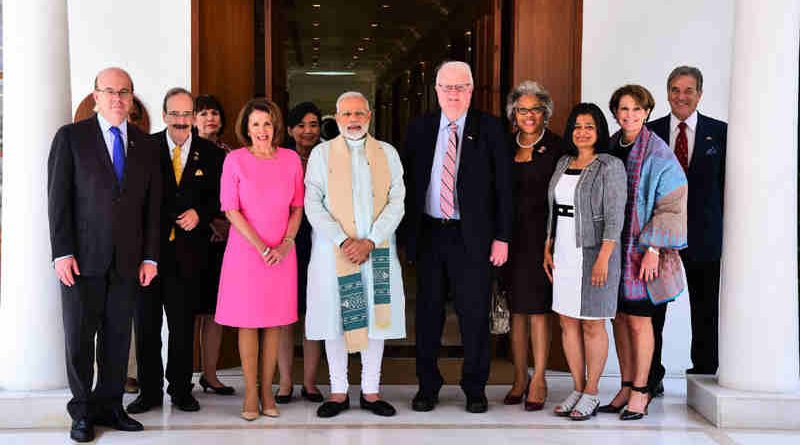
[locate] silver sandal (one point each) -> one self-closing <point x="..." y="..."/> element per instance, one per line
<point x="585" y="408"/>
<point x="565" y="408"/>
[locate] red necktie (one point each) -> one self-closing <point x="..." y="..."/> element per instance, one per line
<point x="448" y="186"/>
<point x="682" y="147"/>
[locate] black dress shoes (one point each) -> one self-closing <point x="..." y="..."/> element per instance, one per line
<point x="315" y="397"/>
<point x="185" y="402"/>
<point x="118" y="419"/>
<point x="82" y="430"/>
<point x="331" y="408"/>
<point x="477" y="404"/>
<point x="143" y="405"/>
<point x="701" y="371"/>
<point x="379" y="407"/>
<point x="424" y="402"/>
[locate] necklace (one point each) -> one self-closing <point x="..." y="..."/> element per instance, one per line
<point x="532" y="144"/>
<point x="624" y="145"/>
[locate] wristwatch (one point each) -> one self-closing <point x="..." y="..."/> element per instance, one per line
<point x="653" y="250"/>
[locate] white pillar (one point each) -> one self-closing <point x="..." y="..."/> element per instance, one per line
<point x="758" y="293"/>
<point x="36" y="102"/>
<point x="759" y="367"/>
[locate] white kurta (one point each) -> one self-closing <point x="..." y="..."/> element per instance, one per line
<point x="323" y="314"/>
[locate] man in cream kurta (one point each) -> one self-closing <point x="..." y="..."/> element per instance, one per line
<point x="354" y="218"/>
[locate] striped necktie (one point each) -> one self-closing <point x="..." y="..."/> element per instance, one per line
<point x="448" y="186"/>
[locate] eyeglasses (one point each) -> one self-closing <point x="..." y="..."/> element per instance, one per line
<point x="458" y="87"/>
<point x="179" y="114"/>
<point x="526" y="111"/>
<point x="360" y="114"/>
<point x="122" y="94"/>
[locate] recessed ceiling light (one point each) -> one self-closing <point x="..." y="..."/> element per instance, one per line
<point x="361" y="48"/>
<point x="374" y="24"/>
<point x="316" y="39"/>
<point x="355" y="56"/>
<point x="316" y="5"/>
<point x="315" y="24"/>
<point x="385" y="6"/>
<point x="330" y="73"/>
<point x="468" y="33"/>
<point x="366" y="39"/>
<point x="316" y="48"/>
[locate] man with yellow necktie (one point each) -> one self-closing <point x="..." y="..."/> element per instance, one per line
<point x="191" y="167"/>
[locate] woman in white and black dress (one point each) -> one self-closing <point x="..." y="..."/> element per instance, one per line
<point x="586" y="197"/>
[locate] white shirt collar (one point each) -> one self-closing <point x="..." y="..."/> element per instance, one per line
<point x="105" y="126"/>
<point x="444" y="122"/>
<point x="171" y="144"/>
<point x="691" y="121"/>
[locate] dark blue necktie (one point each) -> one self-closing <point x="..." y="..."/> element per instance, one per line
<point x="119" y="153"/>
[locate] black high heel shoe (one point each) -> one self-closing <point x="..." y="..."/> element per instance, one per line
<point x="611" y="408"/>
<point x="635" y="415"/>
<point x="284" y="398"/>
<point x="219" y="390"/>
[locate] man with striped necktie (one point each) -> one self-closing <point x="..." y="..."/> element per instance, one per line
<point x="459" y="214"/>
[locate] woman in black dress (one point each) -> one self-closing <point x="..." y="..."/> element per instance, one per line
<point x="210" y="121"/>
<point x="537" y="150"/>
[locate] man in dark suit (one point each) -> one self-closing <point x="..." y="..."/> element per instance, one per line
<point x="699" y="143"/>
<point x="191" y="167"/>
<point x="104" y="199"/>
<point x="459" y="214"/>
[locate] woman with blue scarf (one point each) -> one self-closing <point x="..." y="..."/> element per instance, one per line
<point x="653" y="233"/>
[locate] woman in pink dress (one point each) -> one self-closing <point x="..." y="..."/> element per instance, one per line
<point x="262" y="196"/>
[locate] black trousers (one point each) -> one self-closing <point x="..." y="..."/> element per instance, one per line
<point x="177" y="297"/>
<point x="445" y="266"/>
<point x="657" y="369"/>
<point x="703" y="278"/>
<point x="99" y="306"/>
<point x="703" y="282"/>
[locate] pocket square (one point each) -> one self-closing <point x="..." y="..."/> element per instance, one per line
<point x="198" y="172"/>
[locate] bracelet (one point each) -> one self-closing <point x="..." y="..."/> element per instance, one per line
<point x="266" y="251"/>
<point x="653" y="250"/>
<point x="288" y="238"/>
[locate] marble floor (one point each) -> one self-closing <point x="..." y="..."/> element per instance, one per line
<point x="33" y="418"/>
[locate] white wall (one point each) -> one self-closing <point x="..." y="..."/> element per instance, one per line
<point x="629" y="41"/>
<point x="151" y="39"/>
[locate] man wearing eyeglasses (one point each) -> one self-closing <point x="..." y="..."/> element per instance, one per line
<point x="458" y="225"/>
<point x="191" y="167"/>
<point x="104" y="204"/>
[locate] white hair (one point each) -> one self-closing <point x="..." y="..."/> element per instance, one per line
<point x="349" y="94"/>
<point x="455" y="64"/>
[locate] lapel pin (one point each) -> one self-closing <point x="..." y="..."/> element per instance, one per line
<point x="198" y="172"/>
<point x="469" y="136"/>
<point x="708" y="138"/>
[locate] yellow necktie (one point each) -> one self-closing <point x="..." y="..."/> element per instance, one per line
<point x="176" y="164"/>
<point x="178" y="169"/>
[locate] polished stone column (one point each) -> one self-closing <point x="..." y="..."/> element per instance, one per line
<point x="759" y="369"/>
<point x="36" y="103"/>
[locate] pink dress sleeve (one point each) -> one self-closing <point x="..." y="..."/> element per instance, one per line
<point x="229" y="184"/>
<point x="299" y="190"/>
